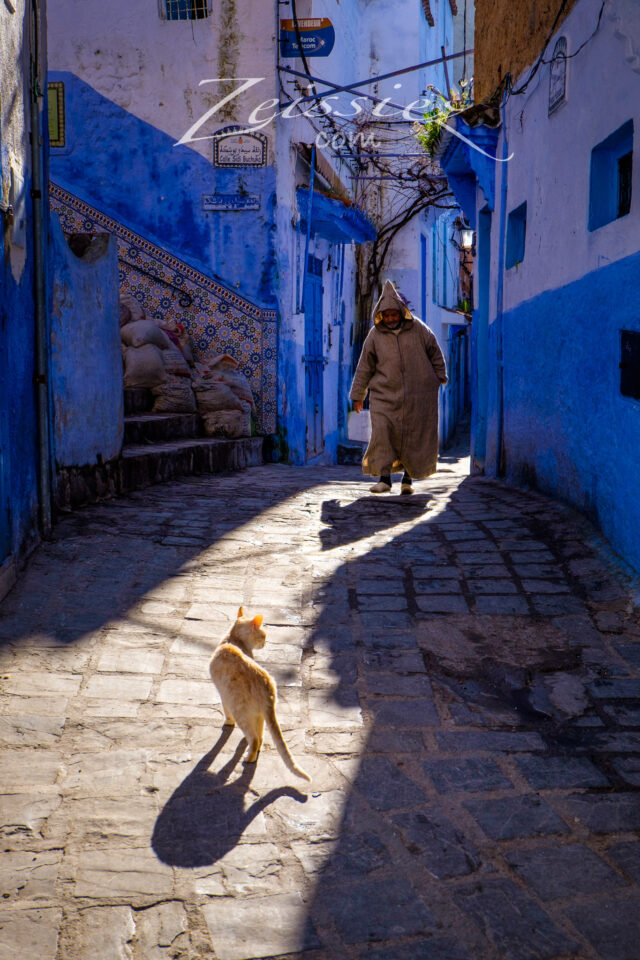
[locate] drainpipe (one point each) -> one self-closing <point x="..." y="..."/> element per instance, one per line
<point x="308" y="237"/>
<point x="38" y="196"/>
<point x="500" y="452"/>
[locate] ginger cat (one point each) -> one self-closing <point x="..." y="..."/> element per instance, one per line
<point x="247" y="691"/>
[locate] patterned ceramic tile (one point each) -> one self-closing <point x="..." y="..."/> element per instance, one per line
<point x="218" y="319"/>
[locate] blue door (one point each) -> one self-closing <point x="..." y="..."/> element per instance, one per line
<point x="479" y="341"/>
<point x="313" y="356"/>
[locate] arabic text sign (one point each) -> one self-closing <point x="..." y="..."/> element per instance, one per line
<point x="230" y="202"/>
<point x="239" y="149"/>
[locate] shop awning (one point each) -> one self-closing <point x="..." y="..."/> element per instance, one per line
<point x="334" y="220"/>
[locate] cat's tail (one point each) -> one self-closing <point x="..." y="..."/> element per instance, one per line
<point x="281" y="747"/>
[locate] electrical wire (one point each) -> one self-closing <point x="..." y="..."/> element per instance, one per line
<point x="305" y="66"/>
<point x="541" y="59"/>
<point x="464" y="42"/>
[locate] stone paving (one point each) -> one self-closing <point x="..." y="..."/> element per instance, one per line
<point x="459" y="671"/>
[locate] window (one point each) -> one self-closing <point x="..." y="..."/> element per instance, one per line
<point x="423" y="277"/>
<point x="558" y="75"/>
<point x="624" y="184"/>
<point x="55" y="111"/>
<point x="445" y="262"/>
<point x="516" y="233"/>
<point x="186" y="9"/>
<point x="610" y="181"/>
<point x="630" y="363"/>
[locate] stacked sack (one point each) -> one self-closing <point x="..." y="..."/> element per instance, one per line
<point x="224" y="398"/>
<point x="175" y="394"/>
<point x="159" y="356"/>
<point x="143" y="345"/>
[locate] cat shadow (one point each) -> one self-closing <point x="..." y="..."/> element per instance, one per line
<point x="359" y="519"/>
<point x="205" y="817"/>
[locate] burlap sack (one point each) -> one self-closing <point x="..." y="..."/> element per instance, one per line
<point x="174" y="396"/>
<point x="133" y="306"/>
<point x="143" y="367"/>
<point x="213" y="395"/>
<point x="238" y="383"/>
<point x="139" y="332"/>
<point x="185" y="346"/>
<point x="175" y="363"/>
<point x="230" y="424"/>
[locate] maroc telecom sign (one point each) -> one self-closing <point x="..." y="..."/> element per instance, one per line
<point x="317" y="38"/>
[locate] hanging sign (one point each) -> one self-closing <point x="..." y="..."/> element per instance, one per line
<point x="230" y="202"/>
<point x="234" y="147"/>
<point x="317" y="38"/>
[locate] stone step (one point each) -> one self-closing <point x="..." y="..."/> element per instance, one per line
<point x="141" y="465"/>
<point x="153" y="464"/>
<point x="351" y="452"/>
<point x="138" y="400"/>
<point x="161" y="427"/>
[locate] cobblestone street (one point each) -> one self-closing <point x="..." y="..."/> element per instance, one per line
<point x="459" y="672"/>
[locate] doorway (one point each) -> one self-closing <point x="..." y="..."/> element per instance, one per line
<point x="313" y="357"/>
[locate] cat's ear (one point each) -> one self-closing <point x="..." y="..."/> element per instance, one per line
<point x="240" y="612"/>
<point x="257" y="620"/>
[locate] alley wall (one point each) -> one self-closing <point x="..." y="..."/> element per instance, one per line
<point x="18" y="418"/>
<point x="509" y="36"/>
<point x="559" y="420"/>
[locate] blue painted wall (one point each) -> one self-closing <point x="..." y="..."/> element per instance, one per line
<point x="567" y="429"/>
<point x="291" y="444"/>
<point x="131" y="171"/>
<point x="86" y="360"/>
<point x="18" y="420"/>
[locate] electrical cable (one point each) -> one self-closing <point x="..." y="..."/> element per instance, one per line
<point x="541" y="59"/>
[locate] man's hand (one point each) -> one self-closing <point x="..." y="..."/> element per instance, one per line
<point x="357" y="406"/>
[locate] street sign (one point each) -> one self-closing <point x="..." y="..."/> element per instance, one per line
<point x="232" y="148"/>
<point x="230" y="202"/>
<point x="317" y="38"/>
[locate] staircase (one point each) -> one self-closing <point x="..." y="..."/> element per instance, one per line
<point x="157" y="447"/>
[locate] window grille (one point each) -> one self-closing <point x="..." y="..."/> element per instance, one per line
<point x="630" y="363"/>
<point x="558" y="75"/>
<point x="186" y="9"/>
<point x="625" y="164"/>
<point x="610" y="181"/>
<point x="516" y="234"/>
<point x="426" y="6"/>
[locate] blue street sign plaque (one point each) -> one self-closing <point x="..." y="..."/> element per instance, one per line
<point x="317" y="38"/>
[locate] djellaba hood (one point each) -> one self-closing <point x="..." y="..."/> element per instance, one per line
<point x="391" y="299"/>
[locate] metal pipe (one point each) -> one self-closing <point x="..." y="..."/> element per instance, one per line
<point x="383" y="76"/>
<point x="405" y="156"/>
<point x="308" y="237"/>
<point x="367" y="96"/>
<point x="40" y="283"/>
<point x="500" y="452"/>
<point x="446" y="73"/>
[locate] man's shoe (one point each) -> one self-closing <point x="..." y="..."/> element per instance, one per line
<point x="406" y="488"/>
<point x="380" y="487"/>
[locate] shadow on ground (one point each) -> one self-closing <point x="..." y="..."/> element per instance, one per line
<point x="470" y="647"/>
<point x="206" y="816"/>
<point x="105" y="558"/>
